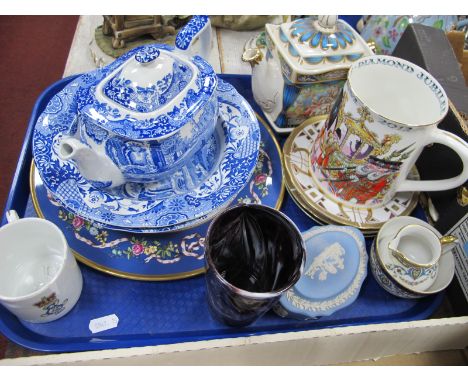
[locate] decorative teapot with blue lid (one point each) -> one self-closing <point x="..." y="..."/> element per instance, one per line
<point x="153" y="109"/>
<point x="302" y="68"/>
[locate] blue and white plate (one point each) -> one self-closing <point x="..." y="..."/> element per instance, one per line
<point x="336" y="266"/>
<point x="165" y="256"/>
<point x="140" y="206"/>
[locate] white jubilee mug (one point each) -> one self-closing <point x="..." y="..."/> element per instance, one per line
<point x="386" y="114"/>
<point x="40" y="280"/>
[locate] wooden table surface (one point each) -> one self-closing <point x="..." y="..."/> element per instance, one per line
<point x="226" y="50"/>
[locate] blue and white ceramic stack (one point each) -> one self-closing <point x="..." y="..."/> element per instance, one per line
<point x="154" y="142"/>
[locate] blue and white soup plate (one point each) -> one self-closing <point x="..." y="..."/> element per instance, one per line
<point x="146" y="118"/>
<point x="336" y="266"/>
<point x="231" y="157"/>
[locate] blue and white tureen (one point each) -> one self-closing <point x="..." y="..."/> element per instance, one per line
<point x="153" y="142"/>
<point x="148" y="116"/>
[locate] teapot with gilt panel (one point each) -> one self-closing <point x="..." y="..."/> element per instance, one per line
<point x="302" y="68"/>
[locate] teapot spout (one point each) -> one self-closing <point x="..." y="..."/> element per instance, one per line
<point x="96" y="168"/>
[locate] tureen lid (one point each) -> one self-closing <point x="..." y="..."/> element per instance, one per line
<point x="151" y="93"/>
<point x="316" y="45"/>
<point x="336" y="266"/>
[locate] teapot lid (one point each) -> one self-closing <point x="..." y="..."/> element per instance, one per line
<point x="316" y="45"/>
<point x="150" y="93"/>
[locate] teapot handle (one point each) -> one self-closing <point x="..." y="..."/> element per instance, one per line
<point x="197" y="29"/>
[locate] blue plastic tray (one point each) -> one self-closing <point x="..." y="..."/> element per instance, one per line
<point x="153" y="313"/>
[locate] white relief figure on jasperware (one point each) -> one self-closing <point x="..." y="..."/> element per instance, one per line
<point x="330" y="260"/>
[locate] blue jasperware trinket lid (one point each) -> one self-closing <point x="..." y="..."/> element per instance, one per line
<point x="336" y="266"/>
<point x="151" y="93"/>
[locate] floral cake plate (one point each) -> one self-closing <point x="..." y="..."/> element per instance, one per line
<point x="336" y="266"/>
<point x="164" y="256"/>
<point x="139" y="206"/>
<point x="296" y="156"/>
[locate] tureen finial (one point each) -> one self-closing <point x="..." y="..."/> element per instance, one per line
<point x="327" y="21"/>
<point x="147" y="54"/>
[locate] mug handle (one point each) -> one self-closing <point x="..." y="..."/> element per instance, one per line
<point x="11" y="216"/>
<point x="455" y="143"/>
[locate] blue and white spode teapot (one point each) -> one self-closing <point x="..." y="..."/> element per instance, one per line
<point x="149" y="115"/>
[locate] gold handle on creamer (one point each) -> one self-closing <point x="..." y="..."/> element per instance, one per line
<point x="449" y="239"/>
<point x="462" y="196"/>
<point x="448" y="242"/>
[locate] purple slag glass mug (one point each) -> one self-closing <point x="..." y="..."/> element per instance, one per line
<point x="253" y="254"/>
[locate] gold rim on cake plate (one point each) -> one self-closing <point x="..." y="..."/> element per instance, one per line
<point x="319" y="211"/>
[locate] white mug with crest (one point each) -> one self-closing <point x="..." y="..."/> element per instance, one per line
<point x="40" y="280"/>
<point x="387" y="113"/>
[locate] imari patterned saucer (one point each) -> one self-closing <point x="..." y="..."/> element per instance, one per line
<point x="303" y="188"/>
<point x="336" y="266"/>
<point x="163" y="256"/>
<point x="297" y="198"/>
<point x="235" y="148"/>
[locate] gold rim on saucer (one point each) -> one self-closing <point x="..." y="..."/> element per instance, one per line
<point x="362" y="215"/>
<point x="320" y="219"/>
<point x="142" y="277"/>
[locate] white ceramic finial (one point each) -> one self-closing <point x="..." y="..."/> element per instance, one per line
<point x="327" y="21"/>
<point x="11" y="216"/>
